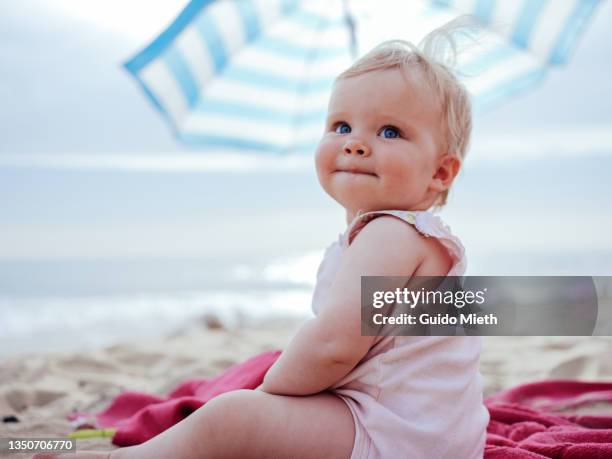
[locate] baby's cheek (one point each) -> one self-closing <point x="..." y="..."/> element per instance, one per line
<point x="401" y="179"/>
<point x="322" y="167"/>
<point x="396" y="169"/>
<point x="324" y="156"/>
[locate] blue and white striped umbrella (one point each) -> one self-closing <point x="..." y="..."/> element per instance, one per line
<point x="255" y="75"/>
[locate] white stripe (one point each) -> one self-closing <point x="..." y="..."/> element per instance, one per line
<point x="310" y="133"/>
<point x="233" y="125"/>
<point x="389" y="19"/>
<point x="270" y="62"/>
<point x="256" y="130"/>
<point x="296" y="33"/>
<point x="278" y="99"/>
<point x="268" y="12"/>
<point x="465" y="6"/>
<point x="552" y="21"/>
<point x="495" y="76"/>
<point x="196" y="54"/>
<point x="238" y="92"/>
<point x="226" y="16"/>
<point x="160" y="81"/>
<point x="331" y="10"/>
<point x="505" y="15"/>
<point x="315" y="101"/>
<point x="487" y="44"/>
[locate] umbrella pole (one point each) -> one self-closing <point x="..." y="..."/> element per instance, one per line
<point x="352" y="26"/>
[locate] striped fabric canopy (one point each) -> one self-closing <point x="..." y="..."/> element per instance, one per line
<point x="255" y="75"/>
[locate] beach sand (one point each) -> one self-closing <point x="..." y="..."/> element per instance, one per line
<point x="41" y="389"/>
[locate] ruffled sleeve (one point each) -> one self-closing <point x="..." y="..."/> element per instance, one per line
<point x="432" y="226"/>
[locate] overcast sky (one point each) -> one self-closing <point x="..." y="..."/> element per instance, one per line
<point x="63" y="90"/>
<point x="65" y="95"/>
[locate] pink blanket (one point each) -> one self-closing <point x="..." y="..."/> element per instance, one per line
<point x="523" y="422"/>
<point x="138" y="416"/>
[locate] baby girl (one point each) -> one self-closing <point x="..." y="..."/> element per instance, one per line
<point x="397" y="130"/>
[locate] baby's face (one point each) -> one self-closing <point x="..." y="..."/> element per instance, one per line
<point x="381" y="145"/>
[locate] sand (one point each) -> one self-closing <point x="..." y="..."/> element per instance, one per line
<point x="41" y="389"/>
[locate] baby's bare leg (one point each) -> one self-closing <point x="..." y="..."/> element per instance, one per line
<point x="255" y="424"/>
<point x="250" y="424"/>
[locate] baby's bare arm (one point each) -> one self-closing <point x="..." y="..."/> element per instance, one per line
<point x="327" y="347"/>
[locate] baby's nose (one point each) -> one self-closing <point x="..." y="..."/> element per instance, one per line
<point x="356" y="147"/>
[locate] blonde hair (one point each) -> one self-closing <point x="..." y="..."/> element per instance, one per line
<point x="434" y="57"/>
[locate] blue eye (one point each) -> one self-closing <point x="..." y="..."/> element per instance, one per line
<point x="390" y="132"/>
<point x="343" y="128"/>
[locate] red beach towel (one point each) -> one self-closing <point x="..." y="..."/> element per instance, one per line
<point x="526" y="423"/>
<point x="138" y="416"/>
<point x="523" y="422"/>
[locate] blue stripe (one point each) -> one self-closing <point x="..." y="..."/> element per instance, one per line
<point x="250" y="21"/>
<point x="207" y="28"/>
<point x="432" y="10"/>
<point x="483" y="102"/>
<point x="484" y="10"/>
<point x="149" y="53"/>
<point x="496" y="56"/>
<point x="528" y="18"/>
<point x="288" y="5"/>
<point x="583" y="12"/>
<point x="180" y="70"/>
<point x="441" y="3"/>
<point x="185" y="17"/>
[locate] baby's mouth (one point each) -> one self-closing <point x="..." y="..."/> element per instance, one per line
<point x="356" y="171"/>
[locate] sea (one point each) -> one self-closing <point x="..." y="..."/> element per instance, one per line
<point x="68" y="305"/>
<point x="64" y="305"/>
<point x="90" y="258"/>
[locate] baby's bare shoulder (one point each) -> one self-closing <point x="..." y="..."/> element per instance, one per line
<point x="387" y="229"/>
<point x="399" y="241"/>
<point x="390" y="241"/>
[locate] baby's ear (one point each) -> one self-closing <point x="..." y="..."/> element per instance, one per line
<point x="448" y="168"/>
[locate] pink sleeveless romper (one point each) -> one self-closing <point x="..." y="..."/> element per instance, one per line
<point x="412" y="396"/>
